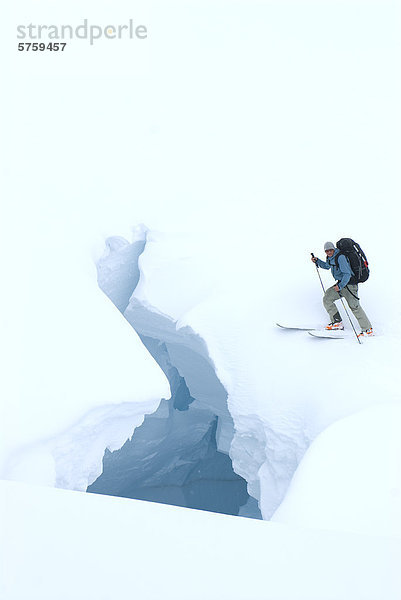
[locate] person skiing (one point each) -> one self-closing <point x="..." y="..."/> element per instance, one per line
<point x="342" y="289"/>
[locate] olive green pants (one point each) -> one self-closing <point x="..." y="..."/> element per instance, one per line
<point x="331" y="296"/>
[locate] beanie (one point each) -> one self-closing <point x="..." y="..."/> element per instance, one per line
<point x="329" y="246"/>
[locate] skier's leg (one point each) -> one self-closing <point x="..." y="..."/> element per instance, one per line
<point x="329" y="298"/>
<point x="355" y="306"/>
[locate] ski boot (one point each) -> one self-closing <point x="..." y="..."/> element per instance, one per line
<point x="367" y="333"/>
<point x="335" y="326"/>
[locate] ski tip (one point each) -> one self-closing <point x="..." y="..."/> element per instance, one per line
<point x="295" y="328"/>
<point x="325" y="336"/>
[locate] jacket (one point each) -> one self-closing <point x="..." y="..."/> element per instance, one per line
<point x="343" y="273"/>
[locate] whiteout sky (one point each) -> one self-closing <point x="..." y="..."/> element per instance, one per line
<point x="228" y="108"/>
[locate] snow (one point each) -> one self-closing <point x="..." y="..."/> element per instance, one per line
<point x="70" y="373"/>
<point x="212" y="327"/>
<point x="160" y="207"/>
<point x="354" y="468"/>
<point x="113" y="547"/>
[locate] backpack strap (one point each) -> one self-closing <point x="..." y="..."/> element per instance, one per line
<point x="353" y="275"/>
<point x="361" y="252"/>
<point x="336" y="258"/>
<point x="351" y="292"/>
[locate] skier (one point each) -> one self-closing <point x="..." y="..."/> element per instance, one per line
<point x="343" y="274"/>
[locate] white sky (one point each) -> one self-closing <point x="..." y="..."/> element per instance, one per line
<point x="227" y="107"/>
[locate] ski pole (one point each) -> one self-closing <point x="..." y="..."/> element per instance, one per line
<point x="318" y="274"/>
<point x="342" y="301"/>
<point x="349" y="318"/>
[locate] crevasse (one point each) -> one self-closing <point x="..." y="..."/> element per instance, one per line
<point x="181" y="453"/>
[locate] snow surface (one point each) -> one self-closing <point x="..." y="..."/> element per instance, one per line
<point x="78" y="379"/>
<point x="354" y="468"/>
<point x="113" y="547"/>
<point x="244" y="138"/>
<point x="276" y="383"/>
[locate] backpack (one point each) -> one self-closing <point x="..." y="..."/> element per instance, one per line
<point x="357" y="259"/>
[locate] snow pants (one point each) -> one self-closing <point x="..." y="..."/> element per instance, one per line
<point x="331" y="296"/>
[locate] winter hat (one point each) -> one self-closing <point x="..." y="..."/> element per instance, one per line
<point x="329" y="246"/>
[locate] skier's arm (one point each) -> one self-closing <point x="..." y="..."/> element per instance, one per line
<point x="345" y="269"/>
<point x="322" y="264"/>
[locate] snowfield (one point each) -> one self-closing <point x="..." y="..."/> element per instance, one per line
<point x="355" y="478"/>
<point x="113" y="547"/>
<point x="213" y="336"/>
<point x="160" y="208"/>
<point x="269" y="421"/>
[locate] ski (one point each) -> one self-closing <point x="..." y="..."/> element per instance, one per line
<point x="319" y="333"/>
<point x="296" y="328"/>
<point x="329" y="335"/>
